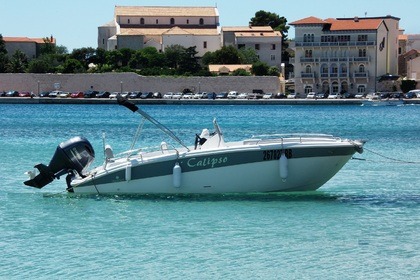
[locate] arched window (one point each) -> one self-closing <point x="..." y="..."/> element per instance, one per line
<point x="334" y="68"/>
<point x="343" y="69"/>
<point x="308" y="69"/>
<point x="142" y="21"/>
<point x="201" y="21"/>
<point x="361" y="89"/>
<point x="172" y="21"/>
<point x="335" y="87"/>
<point x="361" y="68"/>
<point x="308" y="89"/>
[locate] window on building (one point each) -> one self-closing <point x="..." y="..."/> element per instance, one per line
<point x="361" y="68"/>
<point x="362" y="52"/>
<point x="362" y="38"/>
<point x="205" y="44"/>
<point x="128" y="21"/>
<point x="241" y="46"/>
<point x="142" y="21"/>
<point x="273" y="46"/>
<point x="308" y="37"/>
<point x="257" y="46"/>
<point x="361" y="89"/>
<point x="334" y="69"/>
<point x="103" y="41"/>
<point x="172" y="21"/>
<point x="308" y="89"/>
<point x="335" y="87"/>
<point x="157" y="21"/>
<point x="273" y="57"/>
<point x="308" y="53"/>
<point x="324" y="69"/>
<point x="308" y="69"/>
<point x="343" y="68"/>
<point x="201" y="21"/>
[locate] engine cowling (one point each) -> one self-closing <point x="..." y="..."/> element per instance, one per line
<point x="73" y="155"/>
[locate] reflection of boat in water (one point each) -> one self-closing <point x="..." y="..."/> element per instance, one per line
<point x="376" y="100"/>
<point x="259" y="164"/>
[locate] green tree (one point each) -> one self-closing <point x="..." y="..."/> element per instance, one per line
<point x="4" y="59"/>
<point x="39" y="65"/>
<point x="227" y="55"/>
<point x="407" y="85"/>
<point x="248" y="55"/>
<point x="72" y="65"/>
<point x="84" y="55"/>
<point x="240" y="72"/>
<point x="114" y="59"/>
<point x="18" y="63"/>
<point x="260" y="69"/>
<point x="273" y="71"/>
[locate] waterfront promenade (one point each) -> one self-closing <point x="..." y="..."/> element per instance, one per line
<point x="38" y="100"/>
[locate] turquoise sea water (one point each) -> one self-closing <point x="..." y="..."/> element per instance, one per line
<point x="362" y="224"/>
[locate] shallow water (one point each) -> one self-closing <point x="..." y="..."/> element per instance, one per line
<point x="362" y="224"/>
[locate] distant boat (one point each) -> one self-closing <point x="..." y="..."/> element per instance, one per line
<point x="376" y="100"/>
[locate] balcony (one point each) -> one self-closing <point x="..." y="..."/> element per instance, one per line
<point x="361" y="74"/>
<point x="307" y="75"/>
<point x="334" y="44"/>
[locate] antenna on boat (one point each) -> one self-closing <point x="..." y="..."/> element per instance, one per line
<point x="134" y="108"/>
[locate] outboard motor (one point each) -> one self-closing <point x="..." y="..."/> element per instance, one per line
<point x="74" y="155"/>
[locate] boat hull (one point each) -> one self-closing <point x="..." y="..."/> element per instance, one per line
<point x="257" y="169"/>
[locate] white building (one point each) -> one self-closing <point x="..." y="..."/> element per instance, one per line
<point x="137" y="27"/>
<point x="344" y="54"/>
<point x="266" y="42"/>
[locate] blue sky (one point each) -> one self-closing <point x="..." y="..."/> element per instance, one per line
<point x="74" y="23"/>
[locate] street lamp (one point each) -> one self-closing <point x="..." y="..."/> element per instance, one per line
<point x="121" y="88"/>
<point x="38" y="87"/>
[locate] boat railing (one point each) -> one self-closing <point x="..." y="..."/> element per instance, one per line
<point x="293" y="137"/>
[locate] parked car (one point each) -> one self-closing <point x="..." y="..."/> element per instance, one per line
<point x="12" y="93"/>
<point x="114" y="95"/>
<point x="168" y="95"/>
<point x="360" y="95"/>
<point x="321" y="95"/>
<point x="103" y="94"/>
<point x="77" y="94"/>
<point x="157" y="95"/>
<point x="64" y="94"/>
<point x="177" y="95"/>
<point x="55" y="93"/>
<point x="188" y="95"/>
<point x="221" y="95"/>
<point x="334" y="95"/>
<point x="348" y="95"/>
<point x="232" y="94"/>
<point x="280" y="95"/>
<point x="125" y="94"/>
<point x="2" y="93"/>
<point x="416" y="92"/>
<point x="410" y="95"/>
<point x="242" y="95"/>
<point x="90" y="94"/>
<point x="268" y="95"/>
<point x="25" y="94"/>
<point x="200" y="95"/>
<point x="397" y="95"/>
<point x="135" y="94"/>
<point x="311" y="95"/>
<point x="294" y="95"/>
<point x="146" y="95"/>
<point x="211" y="95"/>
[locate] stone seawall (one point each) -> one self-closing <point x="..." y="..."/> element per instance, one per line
<point x="133" y="82"/>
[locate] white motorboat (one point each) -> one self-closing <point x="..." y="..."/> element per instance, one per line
<point x="265" y="163"/>
<point x="378" y="101"/>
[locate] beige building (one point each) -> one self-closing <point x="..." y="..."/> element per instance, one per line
<point x="137" y="27"/>
<point x="409" y="59"/>
<point x="266" y="42"/>
<point x="31" y="47"/>
<point x="344" y="54"/>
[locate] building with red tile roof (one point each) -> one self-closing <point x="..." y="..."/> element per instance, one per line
<point x="137" y="27"/>
<point x="31" y="47"/>
<point x="344" y="54"/>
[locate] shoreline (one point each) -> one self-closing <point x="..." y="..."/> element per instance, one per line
<point x="47" y="100"/>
